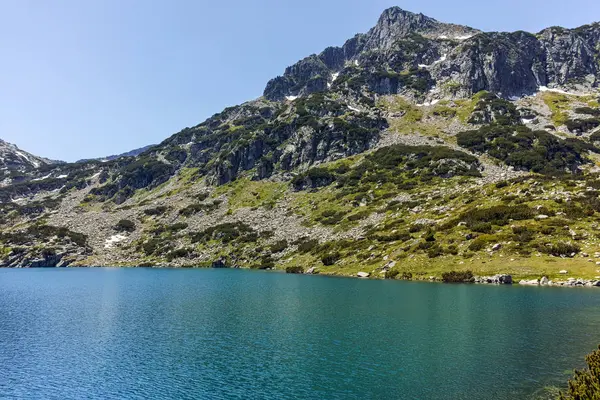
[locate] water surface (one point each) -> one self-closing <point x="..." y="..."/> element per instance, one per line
<point x="232" y="334"/>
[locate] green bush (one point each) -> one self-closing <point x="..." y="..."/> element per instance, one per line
<point x="496" y="215"/>
<point x="179" y="253"/>
<point x="294" y="270"/>
<point x="559" y="249"/>
<point x="330" y="259"/>
<point x="156" y="211"/>
<point x="226" y="233"/>
<point x="391" y="274"/>
<point x="585" y="385"/>
<point x="478" y="244"/>
<point x="125" y="225"/>
<point x="279" y="246"/>
<point x="522" y="148"/>
<point x="435" y="251"/>
<point x="306" y="245"/>
<point x="457" y="276"/>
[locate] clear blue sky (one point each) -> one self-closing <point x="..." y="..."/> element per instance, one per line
<point x="89" y="78"/>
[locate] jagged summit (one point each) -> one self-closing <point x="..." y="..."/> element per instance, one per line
<point x="446" y="60"/>
<point x="13" y="158"/>
<point x="396" y="23"/>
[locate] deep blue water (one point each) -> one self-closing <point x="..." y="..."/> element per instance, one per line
<point x="233" y="334"/>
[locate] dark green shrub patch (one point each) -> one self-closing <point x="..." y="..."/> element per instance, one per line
<point x="405" y="166"/>
<point x="585" y="385"/>
<point x="294" y="270"/>
<point x="588" y="110"/>
<point x="478" y="244"/>
<point x="160" y="210"/>
<point x="306" y="245"/>
<point x="196" y="208"/>
<point x="125" y="225"/>
<point x="179" y="253"/>
<point x="331" y="258"/>
<point x="435" y="251"/>
<point x="559" y="249"/>
<point x="520" y="147"/>
<point x="391" y="237"/>
<point x="582" y="125"/>
<point x="392" y="274"/>
<point x="41" y="233"/>
<point x="226" y="233"/>
<point x="496" y="215"/>
<point x="490" y="108"/>
<point x="457" y="276"/>
<point x="279" y="246"/>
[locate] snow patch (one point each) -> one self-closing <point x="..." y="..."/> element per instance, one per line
<point x="423" y="66"/>
<point x="62" y="176"/>
<point x="42" y="178"/>
<point x="428" y="103"/>
<point x="464" y="37"/>
<point x="26" y="157"/>
<point x="356" y="63"/>
<point x="547" y="89"/>
<point x="333" y="78"/>
<point x="514" y="98"/>
<point x="354" y="108"/>
<point x="291" y="98"/>
<point x="442" y="59"/>
<point x="443" y="37"/>
<point x="114" y="239"/>
<point x="527" y="120"/>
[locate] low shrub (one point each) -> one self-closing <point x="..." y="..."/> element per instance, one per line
<point x="585" y="385"/>
<point x="156" y="211"/>
<point x="125" y="225"/>
<point x="294" y="270"/>
<point x="306" y="245"/>
<point x="279" y="246"/>
<point x="330" y="259"/>
<point x="457" y="276"/>
<point x="391" y="274"/>
<point x="559" y="249"/>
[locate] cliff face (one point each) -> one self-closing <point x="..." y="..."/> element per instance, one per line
<point x="511" y="64"/>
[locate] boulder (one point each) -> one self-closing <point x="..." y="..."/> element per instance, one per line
<point x="544" y="281"/>
<point x="563" y="272"/>
<point x="532" y="282"/>
<point x="312" y="271"/>
<point x="497" y="247"/>
<point x="363" y="274"/>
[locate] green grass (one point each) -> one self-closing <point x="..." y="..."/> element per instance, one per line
<point x="247" y="193"/>
<point x="559" y="104"/>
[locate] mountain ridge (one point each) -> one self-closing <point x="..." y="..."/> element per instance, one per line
<point x="410" y="151"/>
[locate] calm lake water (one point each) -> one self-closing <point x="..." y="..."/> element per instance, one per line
<point x="232" y="334"/>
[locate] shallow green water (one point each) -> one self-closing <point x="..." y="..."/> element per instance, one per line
<point x="223" y="334"/>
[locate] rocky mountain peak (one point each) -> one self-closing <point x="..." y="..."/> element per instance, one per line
<point x="396" y="23"/>
<point x="13" y="158"/>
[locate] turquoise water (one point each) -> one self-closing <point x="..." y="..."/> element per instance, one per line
<point x="233" y="334"/>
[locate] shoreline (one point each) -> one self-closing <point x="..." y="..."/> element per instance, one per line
<point x="494" y="280"/>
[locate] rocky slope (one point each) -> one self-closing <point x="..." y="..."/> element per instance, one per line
<point x="16" y="163"/>
<point x="417" y="148"/>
